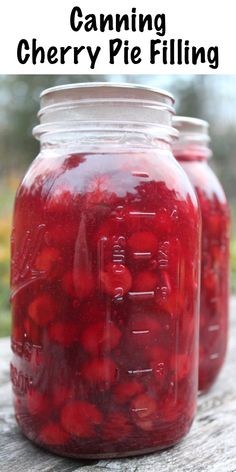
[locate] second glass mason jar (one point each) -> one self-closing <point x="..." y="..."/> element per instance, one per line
<point x="105" y="269"/>
<point x="193" y="152"/>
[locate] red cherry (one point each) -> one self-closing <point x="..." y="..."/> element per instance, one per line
<point x="52" y="434"/>
<point x="116" y="279"/>
<point x="158" y="354"/>
<point x="100" y="337"/>
<point x="144" y="406"/>
<point x="100" y="372"/>
<point x="78" y="283"/>
<point x="49" y="262"/>
<point x="145" y="281"/>
<point x="147" y="424"/>
<point x="43" y="309"/>
<point x="65" y="333"/>
<point x="80" y="418"/>
<point x="37" y="403"/>
<point x="142" y="241"/>
<point x="125" y="391"/>
<point x="117" y="427"/>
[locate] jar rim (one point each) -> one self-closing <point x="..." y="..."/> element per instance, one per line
<point x="109" y="89"/>
<point x="188" y="124"/>
<point x="105" y="105"/>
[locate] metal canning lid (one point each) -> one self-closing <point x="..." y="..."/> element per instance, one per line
<point x="103" y="91"/>
<point x="95" y="105"/>
<point x="191" y="128"/>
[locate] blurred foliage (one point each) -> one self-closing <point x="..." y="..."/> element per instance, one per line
<point x="209" y="97"/>
<point x="7" y="191"/>
<point x="19" y="104"/>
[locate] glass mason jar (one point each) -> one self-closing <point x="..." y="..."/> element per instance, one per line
<point x="192" y="151"/>
<point x="105" y="267"/>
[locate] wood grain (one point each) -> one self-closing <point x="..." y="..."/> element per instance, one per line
<point x="209" y="447"/>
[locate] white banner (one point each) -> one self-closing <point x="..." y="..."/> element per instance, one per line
<point x="124" y="37"/>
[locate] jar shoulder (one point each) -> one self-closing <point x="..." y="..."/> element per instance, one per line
<point x="137" y="171"/>
<point x="205" y="181"/>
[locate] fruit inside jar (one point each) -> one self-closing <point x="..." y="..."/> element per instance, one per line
<point x="193" y="153"/>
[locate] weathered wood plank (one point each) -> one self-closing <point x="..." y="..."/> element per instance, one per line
<point x="210" y="446"/>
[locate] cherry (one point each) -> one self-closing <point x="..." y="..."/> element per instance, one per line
<point x="49" y="262"/>
<point x="52" y="434"/>
<point x="80" y="418"/>
<point x="145" y="281"/>
<point x="125" y="391"/>
<point x="117" y="427"/>
<point x="100" y="373"/>
<point x="43" y="309"/>
<point x="100" y="337"/>
<point x="144" y="406"/>
<point x="142" y="241"/>
<point x="116" y="279"/>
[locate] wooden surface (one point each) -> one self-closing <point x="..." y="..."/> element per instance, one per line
<point x="210" y="445"/>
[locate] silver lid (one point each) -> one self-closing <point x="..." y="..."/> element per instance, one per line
<point x="103" y="91"/>
<point x="193" y="129"/>
<point x="95" y="105"/>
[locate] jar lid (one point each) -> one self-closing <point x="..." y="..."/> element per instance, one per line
<point x="95" y="104"/>
<point x="193" y="129"/>
<point x="103" y="91"/>
<point x="193" y="140"/>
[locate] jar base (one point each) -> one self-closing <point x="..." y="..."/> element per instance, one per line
<point x="106" y="455"/>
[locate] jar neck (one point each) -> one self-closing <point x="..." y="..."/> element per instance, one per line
<point x="119" y="137"/>
<point x="191" y="151"/>
<point x="101" y="113"/>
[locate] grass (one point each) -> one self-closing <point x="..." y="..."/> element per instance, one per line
<point x="7" y="192"/>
